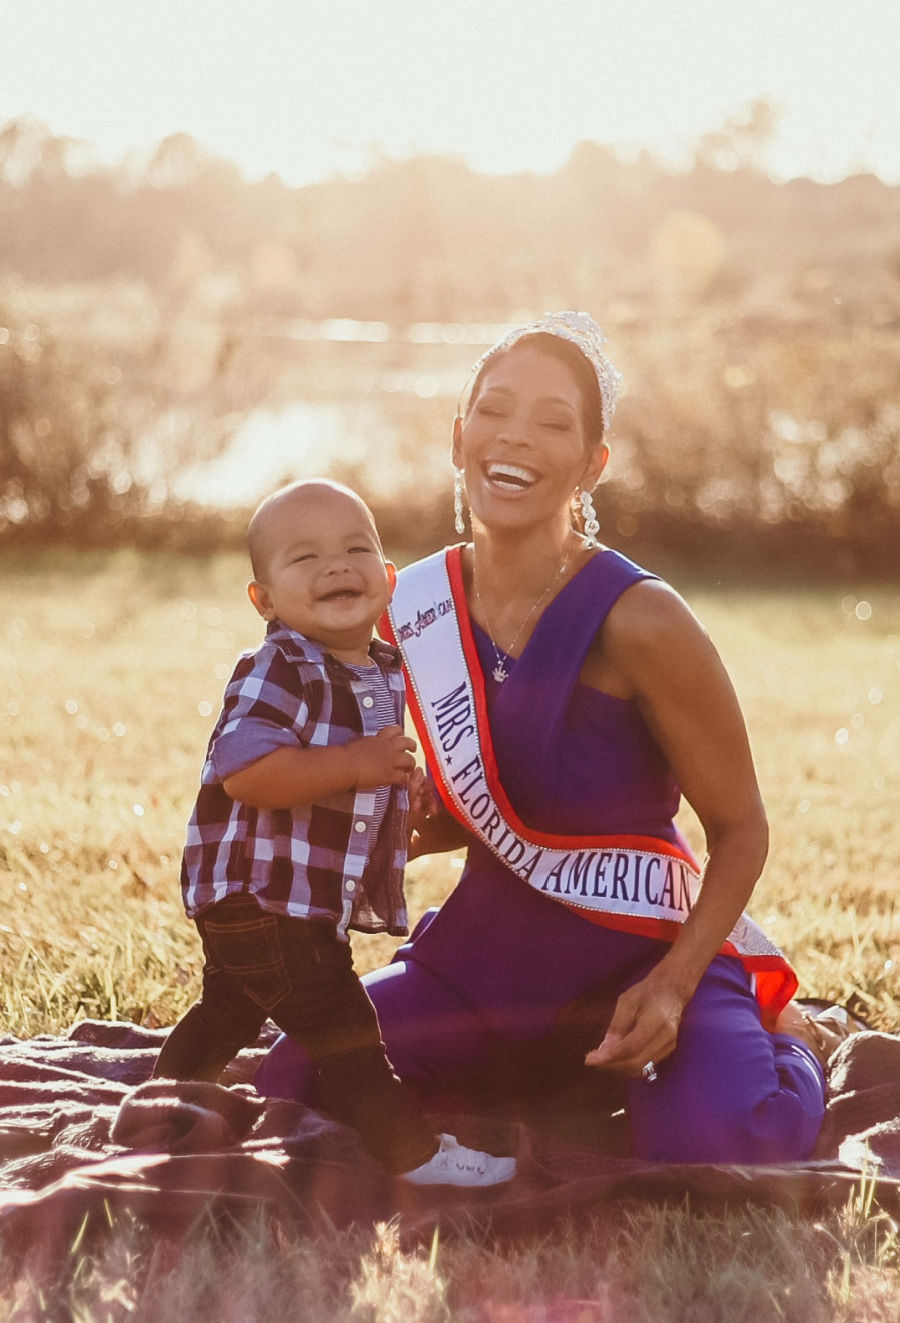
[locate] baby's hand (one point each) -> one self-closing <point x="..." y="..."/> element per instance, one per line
<point x="382" y="759"/>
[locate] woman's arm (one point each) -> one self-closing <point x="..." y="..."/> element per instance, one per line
<point x="654" y="650"/>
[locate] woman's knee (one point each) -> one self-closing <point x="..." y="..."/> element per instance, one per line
<point x="771" y="1115"/>
<point x="425" y="1027"/>
<point x="426" y="1030"/>
<point x="732" y="1091"/>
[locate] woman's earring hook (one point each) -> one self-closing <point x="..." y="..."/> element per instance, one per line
<point x="459" y="522"/>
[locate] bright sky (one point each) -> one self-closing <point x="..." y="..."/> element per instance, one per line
<point x="305" y="87"/>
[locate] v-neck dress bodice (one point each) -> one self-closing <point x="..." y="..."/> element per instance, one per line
<point x="572" y="760"/>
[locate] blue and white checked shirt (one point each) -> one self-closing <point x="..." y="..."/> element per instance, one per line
<point x="327" y="860"/>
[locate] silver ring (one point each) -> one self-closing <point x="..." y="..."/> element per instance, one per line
<point x="649" y="1072"/>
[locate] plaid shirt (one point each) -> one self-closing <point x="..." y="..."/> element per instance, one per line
<point x="317" y="860"/>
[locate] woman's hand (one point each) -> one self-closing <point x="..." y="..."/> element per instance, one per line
<point x="644" y="1027"/>
<point x="431" y="828"/>
<point x="423" y="802"/>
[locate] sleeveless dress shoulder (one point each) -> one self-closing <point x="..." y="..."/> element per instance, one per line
<point x="573" y="760"/>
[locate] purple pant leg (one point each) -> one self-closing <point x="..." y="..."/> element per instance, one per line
<point x="432" y="1039"/>
<point x="732" y="1092"/>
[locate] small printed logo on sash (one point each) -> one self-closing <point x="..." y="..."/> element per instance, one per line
<point x="411" y="629"/>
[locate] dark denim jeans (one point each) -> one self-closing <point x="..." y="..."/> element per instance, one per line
<point x="261" y="965"/>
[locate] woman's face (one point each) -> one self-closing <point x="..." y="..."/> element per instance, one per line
<point x="522" y="442"/>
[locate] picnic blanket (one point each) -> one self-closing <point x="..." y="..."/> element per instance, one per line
<point x="86" y="1137"/>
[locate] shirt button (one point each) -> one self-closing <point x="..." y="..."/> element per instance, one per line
<point x="360" y="826"/>
<point x="368" y="701"/>
<point x="351" y="885"/>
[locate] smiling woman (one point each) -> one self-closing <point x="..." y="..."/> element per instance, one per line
<point x="566" y="699"/>
<point x="504" y="472"/>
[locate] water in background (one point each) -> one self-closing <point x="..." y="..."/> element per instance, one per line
<point x="270" y="447"/>
<point x="390" y="395"/>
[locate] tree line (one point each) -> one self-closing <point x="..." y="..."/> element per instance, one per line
<point x="758" y="323"/>
<point x="427" y="238"/>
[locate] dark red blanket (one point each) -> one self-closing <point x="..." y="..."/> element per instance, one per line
<point x="86" y="1136"/>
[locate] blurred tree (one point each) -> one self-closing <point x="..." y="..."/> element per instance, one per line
<point x="67" y="456"/>
<point x="774" y="353"/>
<point x="688" y="251"/>
<point x="176" y="161"/>
<point x="742" y="141"/>
<point x="428" y="238"/>
<point x="87" y="451"/>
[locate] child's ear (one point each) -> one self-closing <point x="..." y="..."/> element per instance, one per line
<point x="259" y="596"/>
<point x="392" y="574"/>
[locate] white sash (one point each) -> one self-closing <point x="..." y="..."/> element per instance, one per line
<point x="637" y="883"/>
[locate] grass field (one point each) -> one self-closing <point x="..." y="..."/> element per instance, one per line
<point x="111" y="677"/>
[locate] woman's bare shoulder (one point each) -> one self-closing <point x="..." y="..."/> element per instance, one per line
<point x="649" y="628"/>
<point x="649" y="613"/>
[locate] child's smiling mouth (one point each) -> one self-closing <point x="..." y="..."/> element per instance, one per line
<point x="341" y="595"/>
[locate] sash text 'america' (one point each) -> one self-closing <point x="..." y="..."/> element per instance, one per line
<point x="618" y="877"/>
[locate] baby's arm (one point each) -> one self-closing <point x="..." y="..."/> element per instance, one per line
<point x="290" y="776"/>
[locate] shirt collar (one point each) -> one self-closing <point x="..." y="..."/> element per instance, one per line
<point x="297" y="645"/>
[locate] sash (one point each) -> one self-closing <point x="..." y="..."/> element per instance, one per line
<point x="637" y="884"/>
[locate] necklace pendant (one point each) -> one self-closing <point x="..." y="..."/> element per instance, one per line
<point x="500" y="672"/>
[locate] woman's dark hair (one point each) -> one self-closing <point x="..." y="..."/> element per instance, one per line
<point x="581" y="369"/>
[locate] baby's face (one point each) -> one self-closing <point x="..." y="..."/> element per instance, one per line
<point x="325" y="574"/>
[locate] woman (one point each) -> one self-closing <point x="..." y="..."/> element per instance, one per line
<point x="566" y="699"/>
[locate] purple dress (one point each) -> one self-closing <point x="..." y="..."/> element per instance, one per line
<point x="494" y="975"/>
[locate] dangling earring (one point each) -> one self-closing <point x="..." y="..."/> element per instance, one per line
<point x="459" y="522"/>
<point x="585" y="505"/>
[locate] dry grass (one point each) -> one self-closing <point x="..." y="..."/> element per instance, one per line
<point x="819" y="678"/>
<point x="631" y="1265"/>
<point x="112" y="673"/>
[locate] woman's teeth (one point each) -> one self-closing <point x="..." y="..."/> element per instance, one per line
<point x="510" y="475"/>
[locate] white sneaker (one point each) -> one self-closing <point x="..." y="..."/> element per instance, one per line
<point x="454" y="1164"/>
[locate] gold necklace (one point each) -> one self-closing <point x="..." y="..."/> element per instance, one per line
<point x="500" y="673"/>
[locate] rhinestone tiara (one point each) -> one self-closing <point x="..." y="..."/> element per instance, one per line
<point x="580" y="329"/>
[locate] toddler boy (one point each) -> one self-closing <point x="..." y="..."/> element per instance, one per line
<point x="300" y="831"/>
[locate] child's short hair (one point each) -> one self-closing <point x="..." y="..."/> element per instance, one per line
<point x="257" y="526"/>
